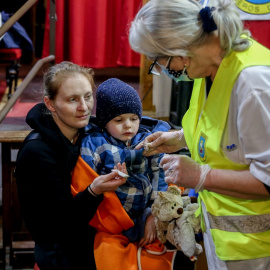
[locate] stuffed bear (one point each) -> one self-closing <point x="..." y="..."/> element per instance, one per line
<point x="176" y="222"/>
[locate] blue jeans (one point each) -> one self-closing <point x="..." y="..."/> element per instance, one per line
<point x="51" y="258"/>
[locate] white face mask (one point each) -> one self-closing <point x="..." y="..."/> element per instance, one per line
<point x="182" y="75"/>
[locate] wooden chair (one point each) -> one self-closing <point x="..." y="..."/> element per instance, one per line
<point x="16" y="239"/>
<point x="12" y="57"/>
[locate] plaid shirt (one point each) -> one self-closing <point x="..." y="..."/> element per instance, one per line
<point x="102" y="152"/>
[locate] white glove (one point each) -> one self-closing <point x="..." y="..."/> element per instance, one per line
<point x="163" y="142"/>
<point x="183" y="171"/>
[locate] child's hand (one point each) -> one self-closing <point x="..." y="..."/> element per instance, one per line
<point x="111" y="181"/>
<point x="121" y="169"/>
<point x="150" y="232"/>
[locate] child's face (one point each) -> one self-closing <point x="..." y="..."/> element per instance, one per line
<point x="124" y="127"/>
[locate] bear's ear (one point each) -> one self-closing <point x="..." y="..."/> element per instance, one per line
<point x="163" y="196"/>
<point x="160" y="194"/>
<point x="174" y="190"/>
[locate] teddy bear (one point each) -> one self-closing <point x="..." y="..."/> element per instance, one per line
<point x="176" y="222"/>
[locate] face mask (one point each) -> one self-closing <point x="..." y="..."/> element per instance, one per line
<point x="180" y="77"/>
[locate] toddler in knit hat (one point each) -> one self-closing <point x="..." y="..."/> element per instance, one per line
<point x="119" y="109"/>
<point x="112" y="137"/>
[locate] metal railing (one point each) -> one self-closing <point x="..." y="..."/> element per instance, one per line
<point x="23" y="85"/>
<point x="16" y="16"/>
<point x="4" y="28"/>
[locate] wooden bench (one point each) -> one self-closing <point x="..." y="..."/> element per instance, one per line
<point x="16" y="239"/>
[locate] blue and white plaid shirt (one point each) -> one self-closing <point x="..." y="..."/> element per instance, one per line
<point x="102" y="152"/>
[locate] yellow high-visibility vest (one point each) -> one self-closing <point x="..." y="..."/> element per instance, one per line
<point x="240" y="228"/>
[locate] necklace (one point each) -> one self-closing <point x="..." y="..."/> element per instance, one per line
<point x="75" y="138"/>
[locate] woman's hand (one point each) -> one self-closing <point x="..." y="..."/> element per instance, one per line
<point x="150" y="232"/>
<point x="109" y="182"/>
<point x="183" y="171"/>
<point x="163" y="142"/>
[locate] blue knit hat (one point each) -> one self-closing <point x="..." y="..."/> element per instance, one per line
<point x="114" y="98"/>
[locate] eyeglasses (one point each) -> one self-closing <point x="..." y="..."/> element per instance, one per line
<point x="151" y="68"/>
<point x="154" y="72"/>
<point x="177" y="76"/>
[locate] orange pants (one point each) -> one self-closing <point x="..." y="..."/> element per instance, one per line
<point x="113" y="250"/>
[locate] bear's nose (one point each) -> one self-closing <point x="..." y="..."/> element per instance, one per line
<point x="180" y="211"/>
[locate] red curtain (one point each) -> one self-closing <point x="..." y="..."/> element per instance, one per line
<point x="260" y="31"/>
<point x="93" y="32"/>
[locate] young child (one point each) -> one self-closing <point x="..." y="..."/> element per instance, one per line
<point x="112" y="137"/>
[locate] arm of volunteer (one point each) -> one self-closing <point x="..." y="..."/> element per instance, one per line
<point x="240" y="184"/>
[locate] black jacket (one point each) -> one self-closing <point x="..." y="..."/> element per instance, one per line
<point x="43" y="174"/>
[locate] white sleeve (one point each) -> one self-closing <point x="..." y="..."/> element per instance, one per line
<point x="250" y="103"/>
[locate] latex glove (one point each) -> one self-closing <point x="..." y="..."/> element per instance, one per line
<point x="184" y="171"/>
<point x="163" y="142"/>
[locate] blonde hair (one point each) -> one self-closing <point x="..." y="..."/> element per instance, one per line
<point x="57" y="74"/>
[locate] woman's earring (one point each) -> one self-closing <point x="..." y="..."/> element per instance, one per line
<point x="184" y="77"/>
<point x="184" y="70"/>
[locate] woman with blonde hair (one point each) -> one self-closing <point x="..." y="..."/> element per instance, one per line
<point x="57" y="221"/>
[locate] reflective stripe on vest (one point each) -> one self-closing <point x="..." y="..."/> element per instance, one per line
<point x="236" y="225"/>
<point x="243" y="224"/>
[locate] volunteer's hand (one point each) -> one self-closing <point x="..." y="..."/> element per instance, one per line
<point x="183" y="171"/>
<point x="163" y="142"/>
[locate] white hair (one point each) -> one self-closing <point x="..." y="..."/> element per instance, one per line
<point x="171" y="27"/>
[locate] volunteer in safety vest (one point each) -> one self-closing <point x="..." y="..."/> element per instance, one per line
<point x="227" y="125"/>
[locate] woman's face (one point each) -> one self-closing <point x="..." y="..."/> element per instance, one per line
<point x="204" y="62"/>
<point x="72" y="106"/>
<point x="176" y="63"/>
